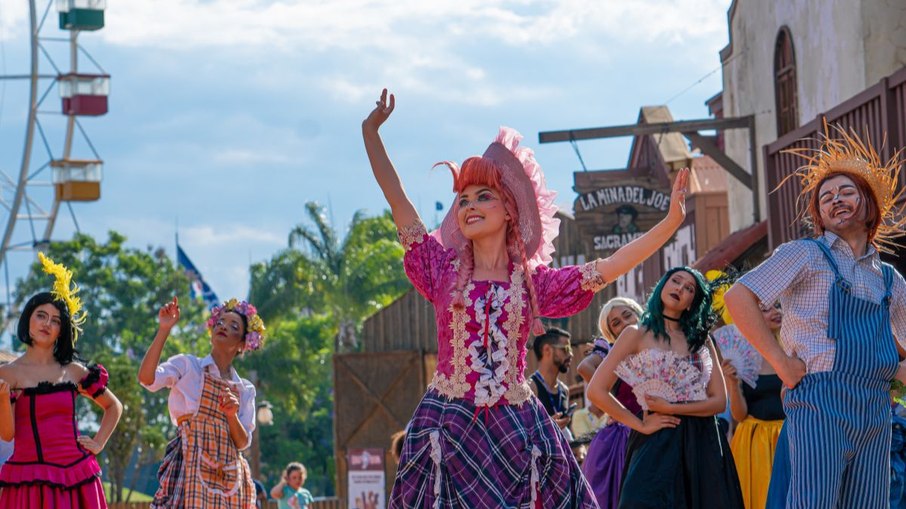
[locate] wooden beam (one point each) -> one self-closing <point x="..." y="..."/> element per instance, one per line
<point x="709" y="148"/>
<point x="682" y="126"/>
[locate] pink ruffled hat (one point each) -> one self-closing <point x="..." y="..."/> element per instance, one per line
<point x="522" y="176"/>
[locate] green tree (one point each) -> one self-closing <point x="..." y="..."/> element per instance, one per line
<point x="294" y="374"/>
<point x="314" y="297"/>
<point x="122" y="288"/>
<point x="352" y="278"/>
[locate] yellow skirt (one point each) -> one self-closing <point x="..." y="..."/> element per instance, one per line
<point x="753" y="446"/>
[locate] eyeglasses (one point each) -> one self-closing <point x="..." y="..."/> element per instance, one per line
<point x="566" y="348"/>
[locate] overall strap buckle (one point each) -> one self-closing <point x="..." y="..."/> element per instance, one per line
<point x="844" y="285"/>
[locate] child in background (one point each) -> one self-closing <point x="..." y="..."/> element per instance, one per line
<point x="289" y="492"/>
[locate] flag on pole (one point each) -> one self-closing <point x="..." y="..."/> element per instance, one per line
<point x="198" y="288"/>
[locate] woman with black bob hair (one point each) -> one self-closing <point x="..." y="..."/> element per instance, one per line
<point x="63" y="349"/>
<point x="52" y="465"/>
<point x="676" y="455"/>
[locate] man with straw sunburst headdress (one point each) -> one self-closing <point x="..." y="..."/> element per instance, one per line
<point x="844" y="324"/>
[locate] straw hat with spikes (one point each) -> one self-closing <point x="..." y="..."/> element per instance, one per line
<point x="847" y="154"/>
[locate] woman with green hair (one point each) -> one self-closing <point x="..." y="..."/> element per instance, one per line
<point x="676" y="456"/>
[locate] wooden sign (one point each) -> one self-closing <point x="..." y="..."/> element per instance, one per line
<point x="613" y="209"/>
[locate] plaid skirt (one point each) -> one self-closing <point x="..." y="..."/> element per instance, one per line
<point x="511" y="456"/>
<point x="172" y="477"/>
<point x="202" y="468"/>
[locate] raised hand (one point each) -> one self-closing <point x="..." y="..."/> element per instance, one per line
<point x="380" y="113"/>
<point x="652" y="422"/>
<point x="678" y="195"/>
<point x="169" y="314"/>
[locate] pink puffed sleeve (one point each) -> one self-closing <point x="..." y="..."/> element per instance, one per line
<point x="567" y="290"/>
<point x="95" y="382"/>
<point x="428" y="265"/>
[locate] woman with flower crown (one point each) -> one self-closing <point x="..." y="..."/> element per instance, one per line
<point x="676" y="455"/>
<point x="479" y="438"/>
<point x="52" y="465"/>
<point x="213" y="408"/>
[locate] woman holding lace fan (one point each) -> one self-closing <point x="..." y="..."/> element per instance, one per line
<point x="676" y="456"/>
<point x="754" y="391"/>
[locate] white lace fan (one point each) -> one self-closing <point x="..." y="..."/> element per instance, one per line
<point x="742" y="355"/>
<point x="664" y="374"/>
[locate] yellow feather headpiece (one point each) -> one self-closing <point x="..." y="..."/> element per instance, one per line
<point x="717" y="294"/>
<point x="850" y="155"/>
<point x="64" y="290"/>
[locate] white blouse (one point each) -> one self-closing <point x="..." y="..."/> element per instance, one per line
<point x="184" y="376"/>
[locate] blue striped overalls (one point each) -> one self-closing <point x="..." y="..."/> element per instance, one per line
<point x="839" y="421"/>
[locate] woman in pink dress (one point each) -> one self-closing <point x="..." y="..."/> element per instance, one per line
<point x="480" y="438"/>
<point x="52" y="466"/>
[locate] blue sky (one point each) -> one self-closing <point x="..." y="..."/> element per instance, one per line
<point x="226" y="116"/>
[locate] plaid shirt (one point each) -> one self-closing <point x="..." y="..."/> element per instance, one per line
<point x="799" y="276"/>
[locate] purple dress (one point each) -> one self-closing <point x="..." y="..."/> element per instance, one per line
<point x="480" y="438"/>
<point x="603" y="466"/>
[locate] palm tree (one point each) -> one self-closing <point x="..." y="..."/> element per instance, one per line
<point x="349" y="279"/>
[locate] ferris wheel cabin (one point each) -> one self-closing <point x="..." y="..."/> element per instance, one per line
<point x="84" y="94"/>
<point x="77" y="180"/>
<point x="81" y="14"/>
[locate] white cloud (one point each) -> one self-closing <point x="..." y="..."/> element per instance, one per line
<point x="214" y="236"/>
<point x="416" y="47"/>
<point x="148" y="231"/>
<point x="13" y="19"/>
<point x="359" y="24"/>
<point x="344" y="90"/>
<point x="427" y="48"/>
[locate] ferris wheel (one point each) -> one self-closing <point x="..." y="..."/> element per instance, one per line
<point x="57" y="164"/>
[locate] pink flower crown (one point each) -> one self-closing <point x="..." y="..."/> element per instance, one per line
<point x="255" y="331"/>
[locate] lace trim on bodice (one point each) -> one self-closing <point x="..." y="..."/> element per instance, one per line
<point x="495" y="363"/>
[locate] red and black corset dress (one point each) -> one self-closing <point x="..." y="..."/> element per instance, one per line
<point x="48" y="467"/>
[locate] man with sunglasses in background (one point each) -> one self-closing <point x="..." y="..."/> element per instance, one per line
<point x="554" y="354"/>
